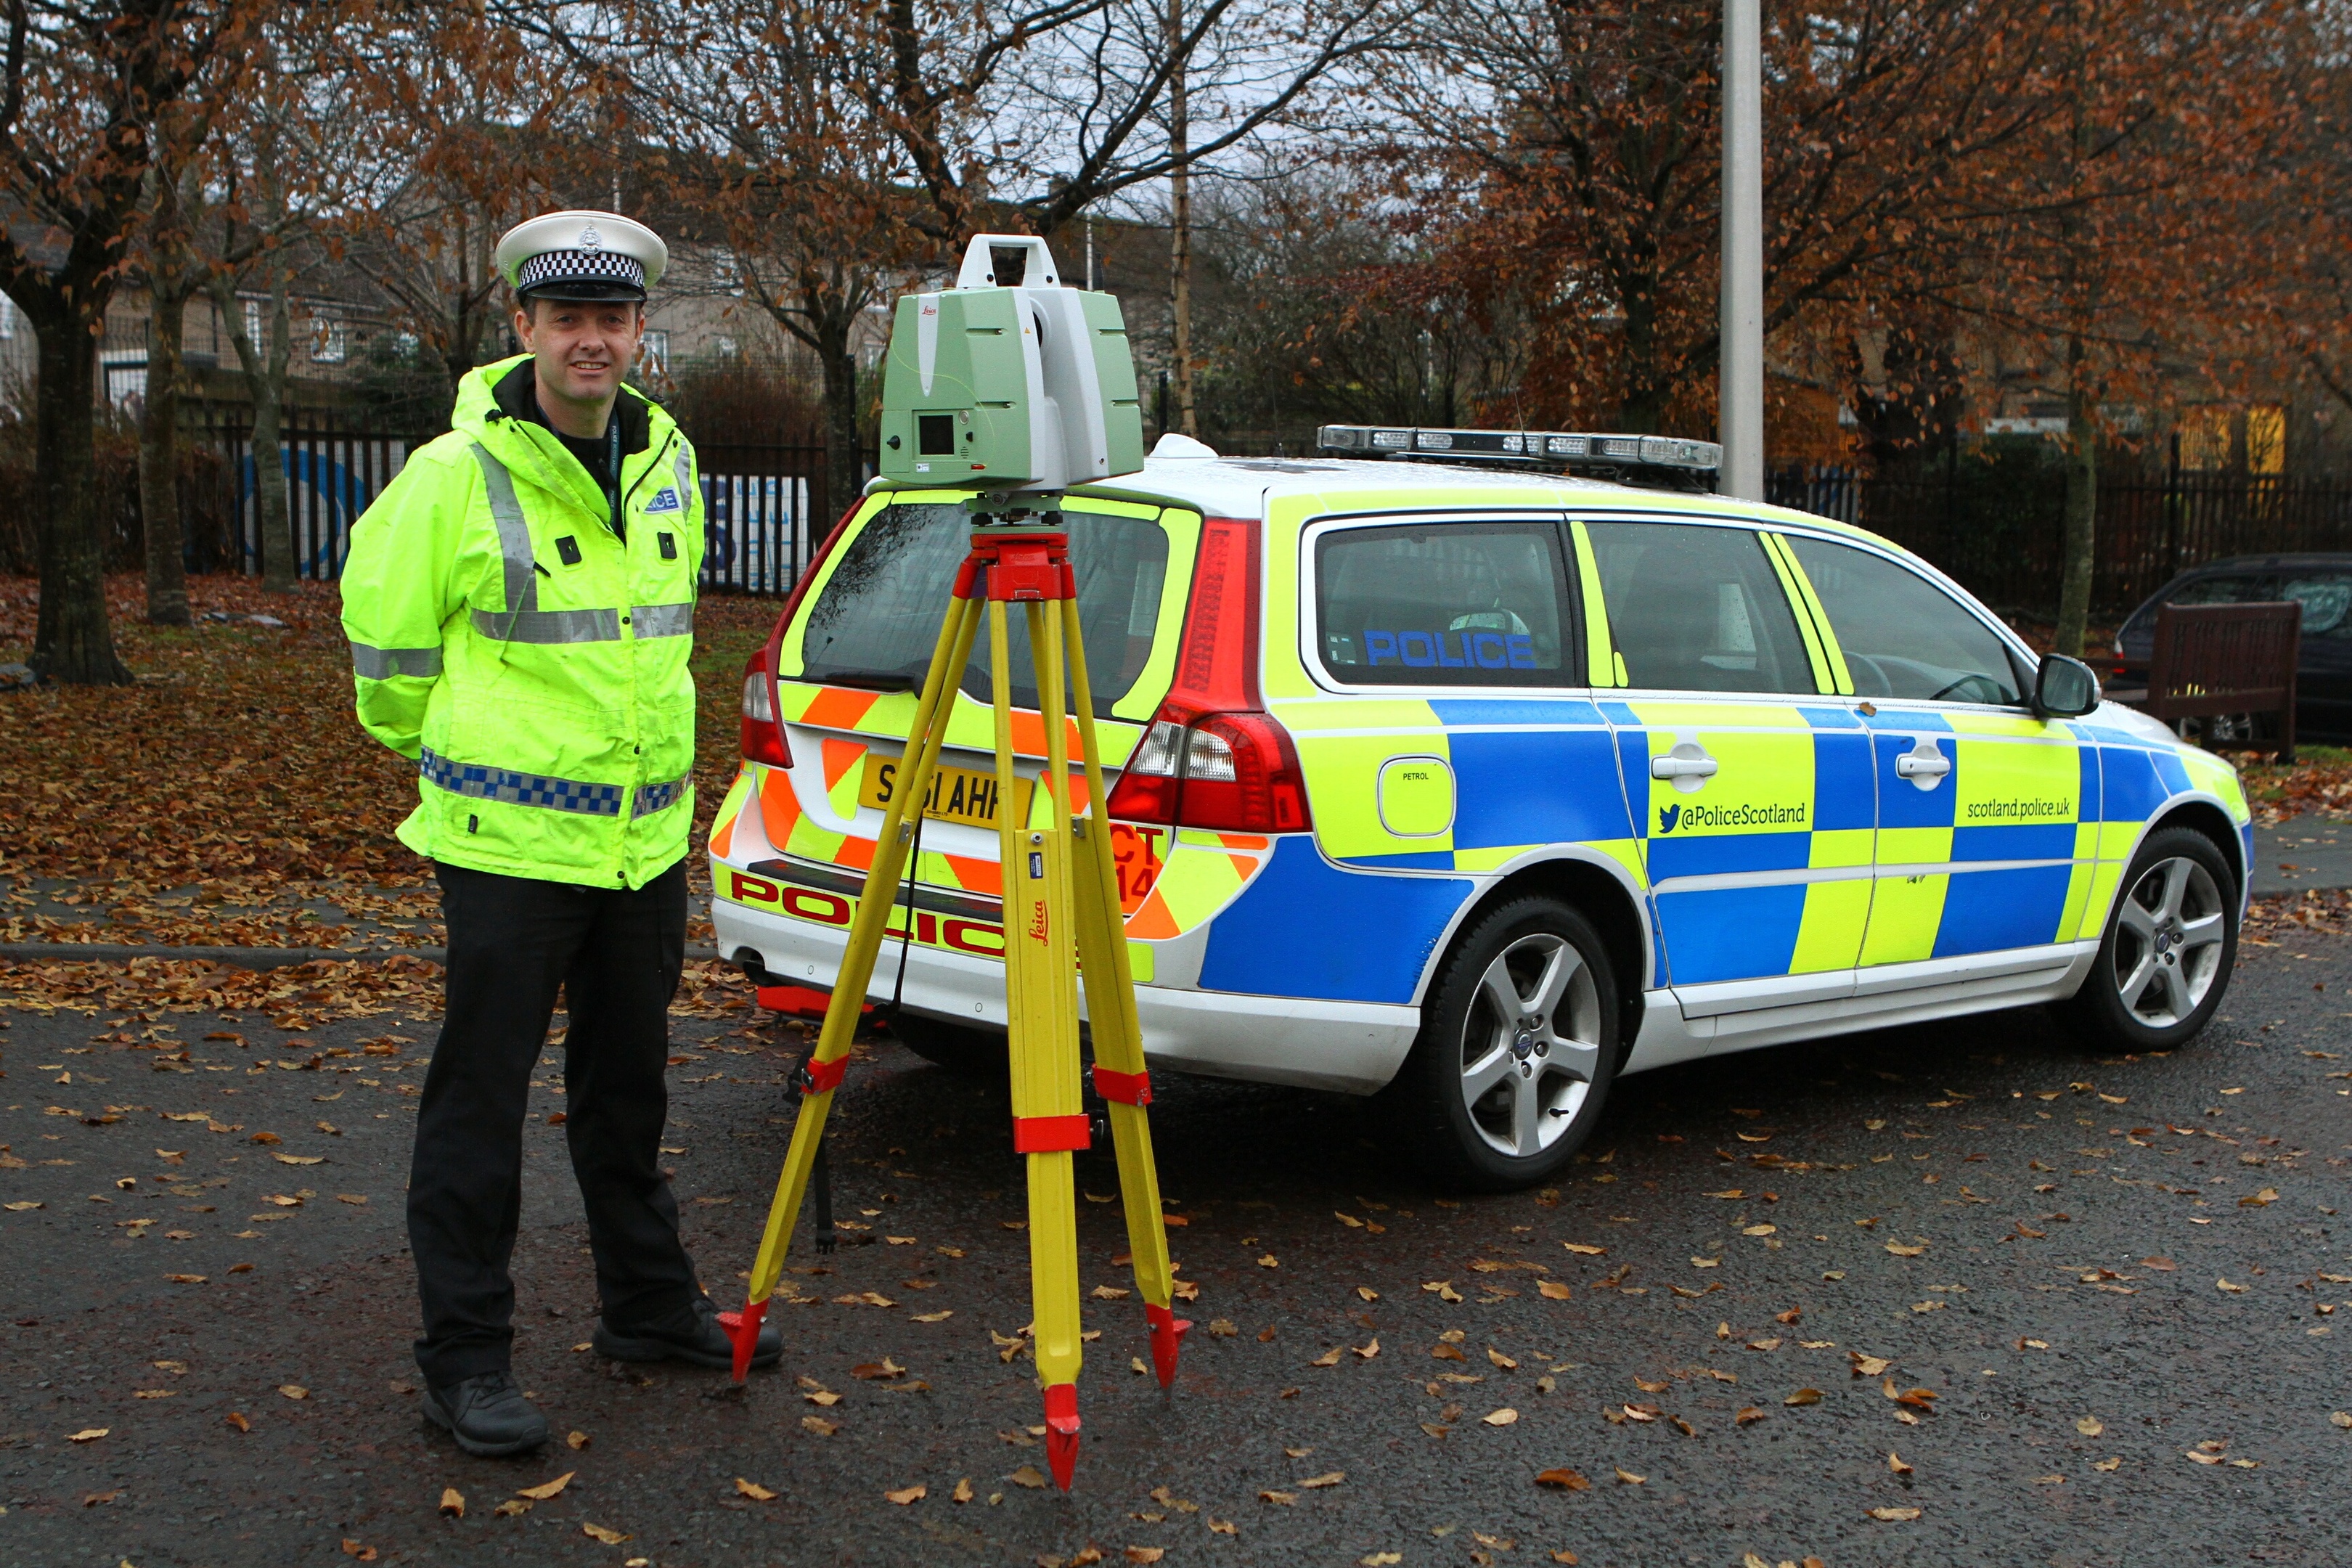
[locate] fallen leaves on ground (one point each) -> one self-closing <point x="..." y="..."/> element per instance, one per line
<point x="2090" y="1426"/>
<point x="906" y="1495"/>
<point x="1894" y="1515"/>
<point x="605" y="1533"/>
<point x="546" y="1490"/>
<point x="453" y="1502"/>
<point x="1627" y="1477"/>
<point x="1804" y="1396"/>
<point x="1564" y="1479"/>
<point x="1027" y="1475"/>
<point x="820" y="1425"/>
<point x="88" y="1435"/>
<point x="1332" y="1478"/>
<point x="1503" y="1418"/>
<point x="270" y="798"/>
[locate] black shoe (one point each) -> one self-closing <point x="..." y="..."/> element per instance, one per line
<point x="487" y="1414"/>
<point x="691" y="1334"/>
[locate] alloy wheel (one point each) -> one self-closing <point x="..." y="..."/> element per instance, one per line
<point x="1530" y="1045"/>
<point x="2168" y="941"/>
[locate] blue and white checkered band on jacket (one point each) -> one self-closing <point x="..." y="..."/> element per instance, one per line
<point x="580" y="266"/>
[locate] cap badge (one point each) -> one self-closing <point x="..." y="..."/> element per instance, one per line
<point x="590" y="240"/>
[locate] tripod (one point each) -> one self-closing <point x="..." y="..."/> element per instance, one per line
<point x="1062" y="920"/>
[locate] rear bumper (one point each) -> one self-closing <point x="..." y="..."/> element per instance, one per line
<point x="1354" y="1047"/>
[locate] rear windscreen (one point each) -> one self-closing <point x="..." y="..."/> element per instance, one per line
<point x="877" y="618"/>
<point x="1463" y="604"/>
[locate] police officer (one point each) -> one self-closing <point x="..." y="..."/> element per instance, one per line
<point x="519" y="603"/>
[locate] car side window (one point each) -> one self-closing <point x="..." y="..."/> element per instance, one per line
<point x="1458" y="604"/>
<point x="1694" y="608"/>
<point x="2326" y="597"/>
<point x="1902" y="635"/>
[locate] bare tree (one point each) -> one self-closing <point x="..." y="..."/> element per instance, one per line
<point x="282" y="176"/>
<point x="80" y="87"/>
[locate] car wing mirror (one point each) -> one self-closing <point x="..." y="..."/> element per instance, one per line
<point x="2064" y="688"/>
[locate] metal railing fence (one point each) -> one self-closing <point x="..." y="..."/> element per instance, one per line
<point x="764" y="505"/>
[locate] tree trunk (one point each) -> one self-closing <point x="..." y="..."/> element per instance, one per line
<point x="2081" y="500"/>
<point x="843" y="478"/>
<point x="72" y="643"/>
<point x="1180" y="219"/>
<point x="265" y="383"/>
<point x="159" y="459"/>
<point x="279" y="559"/>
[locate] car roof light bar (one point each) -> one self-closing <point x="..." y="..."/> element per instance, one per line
<point x="1520" y="447"/>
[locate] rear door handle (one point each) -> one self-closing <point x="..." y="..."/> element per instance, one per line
<point x="1673" y="767"/>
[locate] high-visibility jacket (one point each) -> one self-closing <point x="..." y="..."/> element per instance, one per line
<point x="527" y="658"/>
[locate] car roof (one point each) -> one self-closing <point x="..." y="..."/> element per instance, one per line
<point x="1247" y="487"/>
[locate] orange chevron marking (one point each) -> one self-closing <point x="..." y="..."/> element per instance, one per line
<point x="1152" y="922"/>
<point x="780" y="808"/>
<point x="840" y="756"/>
<point x="977" y="876"/>
<point x="833" y="708"/>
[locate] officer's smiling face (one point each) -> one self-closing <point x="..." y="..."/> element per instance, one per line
<point x="584" y="348"/>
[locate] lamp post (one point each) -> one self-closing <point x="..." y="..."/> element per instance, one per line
<point x="1741" y="362"/>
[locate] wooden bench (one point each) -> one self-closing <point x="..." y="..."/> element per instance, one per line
<point x="2214" y="660"/>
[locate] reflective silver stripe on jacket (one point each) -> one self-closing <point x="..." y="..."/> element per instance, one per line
<point x="663" y="620"/>
<point x="522" y="620"/>
<point x="383" y="663"/>
<point x="658" y="797"/>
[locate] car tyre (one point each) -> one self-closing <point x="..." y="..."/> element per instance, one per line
<point x="972" y="1052"/>
<point x="1518" y="1047"/>
<point x="2170" y="943"/>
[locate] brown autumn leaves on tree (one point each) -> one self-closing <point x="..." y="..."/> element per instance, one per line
<point x="2068" y="177"/>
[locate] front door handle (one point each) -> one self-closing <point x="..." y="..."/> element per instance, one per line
<point x="1923" y="764"/>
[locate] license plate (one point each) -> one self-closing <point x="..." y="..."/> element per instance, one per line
<point x="958" y="794"/>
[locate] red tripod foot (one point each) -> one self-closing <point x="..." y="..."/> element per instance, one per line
<point x="1062" y="1431"/>
<point x="743" y="1332"/>
<point x="1167" y="1327"/>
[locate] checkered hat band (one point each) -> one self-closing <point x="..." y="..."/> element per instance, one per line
<point x="580" y="266"/>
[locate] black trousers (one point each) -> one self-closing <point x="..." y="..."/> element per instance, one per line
<point x="512" y="943"/>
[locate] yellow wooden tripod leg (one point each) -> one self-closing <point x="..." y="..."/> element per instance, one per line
<point x="830" y="1059"/>
<point x="1049" y="1119"/>
<point x="1119" y="1073"/>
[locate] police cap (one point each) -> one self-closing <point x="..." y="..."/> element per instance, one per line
<point x="582" y="256"/>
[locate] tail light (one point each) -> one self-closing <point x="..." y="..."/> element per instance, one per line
<point x="1212" y="757"/>
<point x="1237" y="772"/>
<point x="763" y="738"/>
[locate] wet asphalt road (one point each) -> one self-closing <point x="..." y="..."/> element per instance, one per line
<point x="2072" y="1214"/>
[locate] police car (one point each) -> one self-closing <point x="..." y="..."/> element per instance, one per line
<point x="1476" y="783"/>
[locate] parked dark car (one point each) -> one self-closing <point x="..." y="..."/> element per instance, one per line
<point x="2321" y="583"/>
